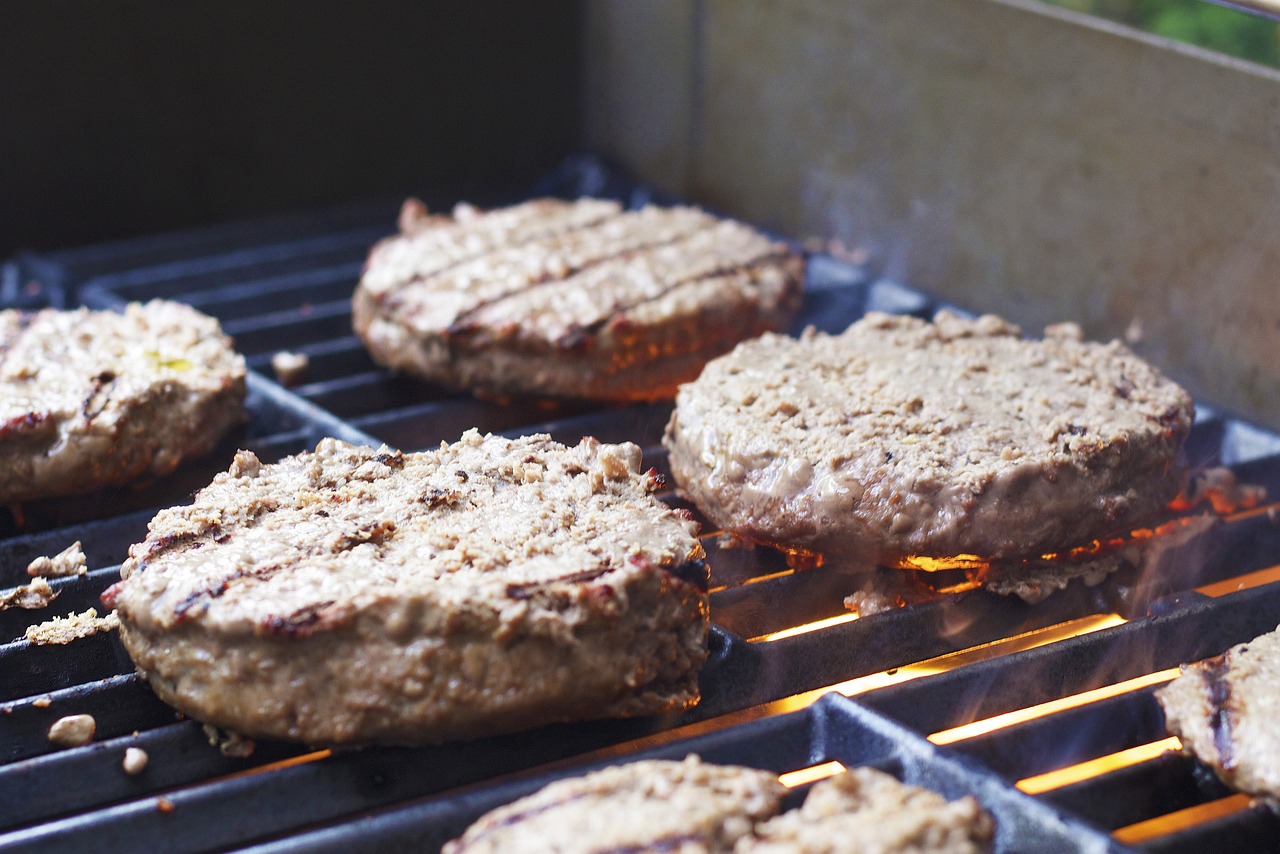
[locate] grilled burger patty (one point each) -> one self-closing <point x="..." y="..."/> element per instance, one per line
<point x="696" y="808"/>
<point x="90" y="399"/>
<point x="651" y="805"/>
<point x="1224" y="710"/>
<point x="865" y="811"/>
<point x="570" y="299"/>
<point x="901" y="437"/>
<point x="354" y="595"/>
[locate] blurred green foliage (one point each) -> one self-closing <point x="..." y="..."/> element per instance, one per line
<point x="1197" y="22"/>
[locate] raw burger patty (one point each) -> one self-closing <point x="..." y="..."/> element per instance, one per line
<point x="354" y="595"/>
<point x="570" y="299"/>
<point x="90" y="399"/>
<point x="651" y="805"/>
<point x="695" y="808"/>
<point x="1225" y="711"/>
<point x="865" y="811"/>
<point x="901" y="437"/>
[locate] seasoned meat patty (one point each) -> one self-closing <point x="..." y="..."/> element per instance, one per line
<point x="354" y="595"/>
<point x="1225" y="709"/>
<point x="652" y="805"/>
<point x="90" y="399"/>
<point x="695" y="808"/>
<point x="570" y="299"/>
<point x="865" y="811"/>
<point x="901" y="437"/>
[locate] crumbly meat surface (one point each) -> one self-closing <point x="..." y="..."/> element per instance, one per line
<point x="91" y="399"/>
<point x="570" y="299"/>
<point x="354" y="595"/>
<point x="1225" y="709"/>
<point x="652" y="805"/>
<point x="902" y="437"/>
<point x="865" y="811"/>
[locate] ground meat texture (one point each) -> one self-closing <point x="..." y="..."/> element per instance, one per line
<point x="91" y="399"/>
<point x="651" y="805"/>
<point x="357" y="595"/>
<point x="1224" y="710"/>
<point x="865" y="811"/>
<point x="902" y="437"/>
<point x="570" y="299"/>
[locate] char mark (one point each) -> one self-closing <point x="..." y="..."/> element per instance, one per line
<point x="1221" y="717"/>
<point x="530" y="238"/>
<point x="99" y="395"/>
<point x="186" y="608"/>
<point x="527" y="589"/>
<point x="462" y="323"/>
<point x="300" y="623"/>
<point x="580" y="336"/>
<point x="169" y="542"/>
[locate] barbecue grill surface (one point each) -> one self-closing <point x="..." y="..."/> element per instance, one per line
<point x="764" y="702"/>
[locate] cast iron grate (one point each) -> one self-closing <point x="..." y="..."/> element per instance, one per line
<point x="918" y="670"/>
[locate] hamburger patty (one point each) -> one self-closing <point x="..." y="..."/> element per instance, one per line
<point x="695" y="808"/>
<point x="865" y="811"/>
<point x="651" y="805"/>
<point x="1224" y="710"/>
<point x="901" y="437"/>
<point x="354" y="595"/>
<point x="570" y="299"/>
<point x="90" y="399"/>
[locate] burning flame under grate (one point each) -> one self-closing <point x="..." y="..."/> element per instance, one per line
<point x="1037" y="709"/>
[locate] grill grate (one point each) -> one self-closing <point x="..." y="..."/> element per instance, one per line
<point x="916" y="671"/>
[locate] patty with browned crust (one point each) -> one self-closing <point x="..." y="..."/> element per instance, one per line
<point x="570" y="299"/>
<point x="91" y="399"/>
<point x="902" y="438"/>
<point x="355" y="595"/>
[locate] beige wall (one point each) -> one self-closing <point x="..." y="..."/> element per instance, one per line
<point x="1006" y="155"/>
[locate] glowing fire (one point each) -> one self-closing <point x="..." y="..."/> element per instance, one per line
<point x="1174" y="822"/>
<point x="804" y="629"/>
<point x="303" y="759"/>
<point x="986" y="725"/>
<point x="1097" y="767"/>
<point x="952" y="660"/>
<point x="812" y="774"/>
<point x="1257" y="578"/>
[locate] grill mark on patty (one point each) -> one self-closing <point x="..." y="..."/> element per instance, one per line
<point x="216" y="589"/>
<point x="527" y="589"/>
<point x="300" y="623"/>
<point x="581" y="334"/>
<point x="168" y="542"/>
<point x="461" y="325"/>
<point x="100" y="395"/>
<point x="1221" y="715"/>
<point x="533" y="237"/>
